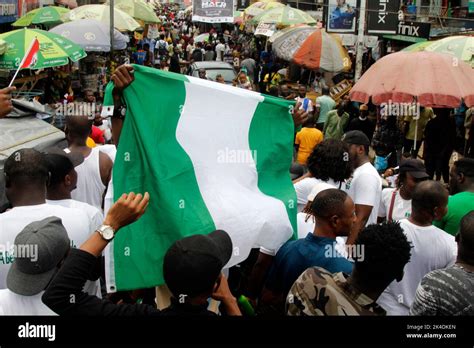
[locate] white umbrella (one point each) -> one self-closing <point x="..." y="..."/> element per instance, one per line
<point x="92" y="35"/>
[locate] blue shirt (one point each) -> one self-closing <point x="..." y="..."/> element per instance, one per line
<point x="294" y="257"/>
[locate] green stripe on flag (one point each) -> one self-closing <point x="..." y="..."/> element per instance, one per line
<point x="272" y="161"/>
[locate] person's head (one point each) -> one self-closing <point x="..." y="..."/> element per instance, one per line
<point x="162" y="36"/>
<point x="26" y="172"/>
<point x="243" y="78"/>
<point x="364" y="111"/>
<point x="273" y="91"/>
<point x="63" y="176"/>
<point x="220" y="78"/>
<point x="330" y="160"/>
<point x="465" y="239"/>
<point x="199" y="45"/>
<point x="89" y="96"/>
<point x="139" y="47"/>
<point x="429" y="201"/>
<point x="325" y="91"/>
<point x="284" y="90"/>
<point x="341" y="2"/>
<point x="358" y="147"/>
<point x="412" y="171"/>
<point x="461" y="176"/>
<point x="302" y="91"/>
<point x="192" y="266"/>
<point x="202" y="73"/>
<point x="334" y="211"/>
<point x="40" y="249"/>
<point x="77" y="129"/>
<point x="342" y="108"/>
<point x="385" y="251"/>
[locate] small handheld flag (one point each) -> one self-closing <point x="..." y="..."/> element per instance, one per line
<point x="29" y="59"/>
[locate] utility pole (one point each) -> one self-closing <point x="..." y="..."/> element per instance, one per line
<point x="360" y="41"/>
<point x="111" y="7"/>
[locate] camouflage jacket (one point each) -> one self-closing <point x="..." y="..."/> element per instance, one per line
<point x="318" y="293"/>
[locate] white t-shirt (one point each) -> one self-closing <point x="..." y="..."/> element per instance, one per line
<point x="12" y="222"/>
<point x="14" y="304"/>
<point x="401" y="207"/>
<point x="95" y="215"/>
<point x="304" y="187"/>
<point x="365" y="188"/>
<point x="220" y="49"/>
<point x="432" y="249"/>
<point x="310" y="107"/>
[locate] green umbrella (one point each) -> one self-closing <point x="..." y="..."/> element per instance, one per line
<point x="43" y="15"/>
<point x="54" y="50"/>
<point x="461" y="47"/>
<point x="284" y="16"/>
<point x="419" y="46"/>
<point x="138" y="9"/>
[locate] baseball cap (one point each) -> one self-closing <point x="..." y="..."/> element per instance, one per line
<point x="60" y="163"/>
<point x="192" y="265"/>
<point x="415" y="167"/>
<point x="356" y="137"/>
<point x="39" y="247"/>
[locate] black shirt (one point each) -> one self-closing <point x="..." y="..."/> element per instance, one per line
<point x="68" y="284"/>
<point x="366" y="126"/>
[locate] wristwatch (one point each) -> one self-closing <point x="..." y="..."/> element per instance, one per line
<point x="107" y="232"/>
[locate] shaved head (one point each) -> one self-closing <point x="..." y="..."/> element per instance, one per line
<point x="78" y="127"/>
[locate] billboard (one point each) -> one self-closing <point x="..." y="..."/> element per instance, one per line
<point x="213" y="11"/>
<point x="341" y="16"/>
<point x="382" y="16"/>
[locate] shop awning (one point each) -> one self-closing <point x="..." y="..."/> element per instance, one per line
<point x="404" y="38"/>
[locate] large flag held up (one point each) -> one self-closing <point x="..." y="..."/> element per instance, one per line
<point x="212" y="157"/>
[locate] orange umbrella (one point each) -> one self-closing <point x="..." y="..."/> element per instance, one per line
<point x="322" y="51"/>
<point x="432" y="79"/>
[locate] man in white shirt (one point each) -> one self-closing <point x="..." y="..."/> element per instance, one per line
<point x="63" y="180"/>
<point x="26" y="174"/>
<point x="40" y="248"/>
<point x="395" y="204"/>
<point x="220" y="49"/>
<point x="306" y="103"/>
<point x="365" y="186"/>
<point x="432" y="248"/>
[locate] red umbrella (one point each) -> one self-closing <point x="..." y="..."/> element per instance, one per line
<point x="432" y="79"/>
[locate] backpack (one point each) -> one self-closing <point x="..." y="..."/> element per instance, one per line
<point x="197" y="55"/>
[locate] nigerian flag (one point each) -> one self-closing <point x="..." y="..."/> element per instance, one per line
<point x="212" y="157"/>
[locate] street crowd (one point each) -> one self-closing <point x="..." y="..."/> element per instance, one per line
<point x="385" y="223"/>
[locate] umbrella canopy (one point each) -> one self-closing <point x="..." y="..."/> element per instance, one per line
<point x="43" y="15"/>
<point x="122" y="20"/>
<point x="92" y="35"/>
<point x="417" y="47"/>
<point x="138" y="9"/>
<point x="286" y="45"/>
<point x="54" y="49"/>
<point x="461" y="47"/>
<point x="3" y="47"/>
<point x="427" y="77"/>
<point x="285" y="15"/>
<point x="259" y="7"/>
<point x="202" y="37"/>
<point x="322" y="51"/>
<point x="286" y="30"/>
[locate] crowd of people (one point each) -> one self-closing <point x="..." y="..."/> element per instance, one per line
<point x="385" y="225"/>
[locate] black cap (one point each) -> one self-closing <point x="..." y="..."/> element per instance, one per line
<point x="415" y="167"/>
<point x="192" y="265"/>
<point x="356" y="137"/>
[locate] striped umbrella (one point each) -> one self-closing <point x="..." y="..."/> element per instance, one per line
<point x="54" y="50"/>
<point x="417" y="47"/>
<point x="44" y="15"/>
<point x="286" y="45"/>
<point x="284" y="16"/>
<point x="285" y="31"/>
